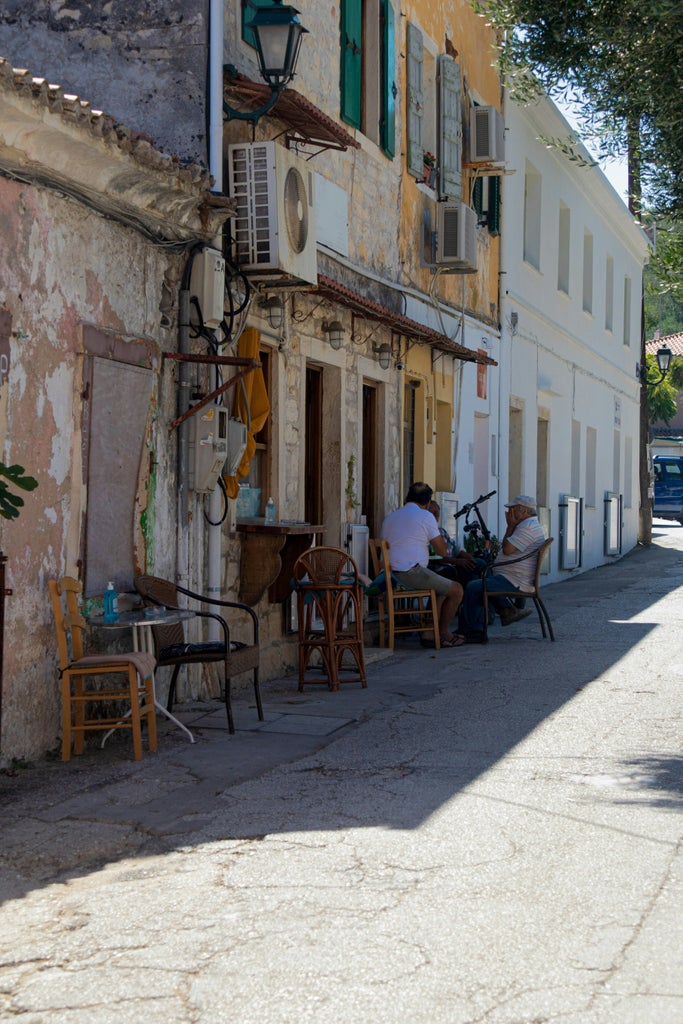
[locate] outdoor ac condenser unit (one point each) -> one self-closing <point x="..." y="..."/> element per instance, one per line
<point x="456" y="237"/>
<point x="487" y="136"/>
<point x="274" y="230"/>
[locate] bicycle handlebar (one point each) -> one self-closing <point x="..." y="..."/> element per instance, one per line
<point x="468" y="508"/>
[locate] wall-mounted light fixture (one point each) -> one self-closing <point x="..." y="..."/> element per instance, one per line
<point x="335" y="333"/>
<point x="277" y="36"/>
<point x="663" y="362"/>
<point x="274" y="308"/>
<point x="383" y="354"/>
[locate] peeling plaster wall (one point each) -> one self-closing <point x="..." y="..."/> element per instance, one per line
<point x="137" y="62"/>
<point x="61" y="266"/>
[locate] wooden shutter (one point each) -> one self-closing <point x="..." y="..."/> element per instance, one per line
<point x="388" y="113"/>
<point x="493" y="219"/>
<point x="478" y="199"/>
<point x="450" y="107"/>
<point x="415" y="104"/>
<point x="351" y="61"/>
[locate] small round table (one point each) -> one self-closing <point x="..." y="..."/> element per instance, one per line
<point x="141" y="622"/>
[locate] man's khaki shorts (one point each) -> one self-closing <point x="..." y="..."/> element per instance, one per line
<point x="422" y="578"/>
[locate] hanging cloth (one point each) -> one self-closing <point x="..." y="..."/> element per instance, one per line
<point x="250" y="405"/>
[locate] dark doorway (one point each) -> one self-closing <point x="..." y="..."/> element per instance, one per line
<point x="313" y="484"/>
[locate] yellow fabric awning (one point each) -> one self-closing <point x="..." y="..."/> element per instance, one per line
<point x="250" y="405"/>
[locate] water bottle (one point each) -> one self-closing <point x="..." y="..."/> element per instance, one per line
<point x="270" y="511"/>
<point x="111" y="604"/>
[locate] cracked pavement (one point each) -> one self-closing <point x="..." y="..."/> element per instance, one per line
<point x="486" y="835"/>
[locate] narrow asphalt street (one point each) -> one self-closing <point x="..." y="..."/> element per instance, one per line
<point x="486" y="835"/>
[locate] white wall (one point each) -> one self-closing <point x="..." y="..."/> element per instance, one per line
<point x="558" y="360"/>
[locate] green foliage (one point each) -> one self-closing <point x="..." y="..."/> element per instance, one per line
<point x="661" y="398"/>
<point x="617" y="63"/>
<point x="472" y="542"/>
<point x="10" y="503"/>
<point x="664" y="281"/>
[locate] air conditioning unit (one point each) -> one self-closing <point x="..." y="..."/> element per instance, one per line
<point x="487" y="136"/>
<point x="274" y="230"/>
<point x="456" y="237"/>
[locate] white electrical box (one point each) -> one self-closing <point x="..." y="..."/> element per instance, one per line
<point x="207" y="288"/>
<point x="208" y="447"/>
<point x="237" y="443"/>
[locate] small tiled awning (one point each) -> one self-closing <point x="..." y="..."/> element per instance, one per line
<point x="397" y="322"/>
<point x="304" y="122"/>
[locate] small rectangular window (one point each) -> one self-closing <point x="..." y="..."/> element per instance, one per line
<point x="587" y="272"/>
<point x="563" y="249"/>
<point x="532" y="216"/>
<point x="609" y="294"/>
<point x="627" y="310"/>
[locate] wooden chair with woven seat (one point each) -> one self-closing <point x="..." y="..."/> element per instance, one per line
<point x="76" y="669"/>
<point x="171" y="648"/>
<point x="401" y="610"/>
<point x="538" y="554"/>
<point x="330" y="615"/>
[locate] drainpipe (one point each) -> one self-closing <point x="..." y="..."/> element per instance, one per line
<point x="215" y="119"/>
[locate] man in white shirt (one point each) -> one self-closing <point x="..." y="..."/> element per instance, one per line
<point x="523" y="535"/>
<point x="410" y="531"/>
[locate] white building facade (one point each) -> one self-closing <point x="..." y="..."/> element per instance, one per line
<point x="568" y="400"/>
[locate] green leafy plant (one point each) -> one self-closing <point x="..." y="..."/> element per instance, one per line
<point x="350" y="489"/>
<point x="472" y="542"/>
<point x="11" y="503"/>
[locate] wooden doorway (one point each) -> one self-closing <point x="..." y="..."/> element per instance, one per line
<point x="370" y="449"/>
<point x="313" y="483"/>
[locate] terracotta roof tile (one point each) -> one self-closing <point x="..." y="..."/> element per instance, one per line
<point x="77" y="111"/>
<point x="672" y="341"/>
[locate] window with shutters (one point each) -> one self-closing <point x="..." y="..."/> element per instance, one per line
<point x="486" y="202"/>
<point x="434" y="116"/>
<point x="368" y="84"/>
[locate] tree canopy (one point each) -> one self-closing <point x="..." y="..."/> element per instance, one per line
<point x="618" y="63"/>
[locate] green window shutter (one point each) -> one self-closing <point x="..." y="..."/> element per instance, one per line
<point x="388" y="114"/>
<point x="415" y="104"/>
<point x="249" y="9"/>
<point x="478" y="199"/>
<point x="351" y="61"/>
<point x="494" y="206"/>
<point x="450" y="128"/>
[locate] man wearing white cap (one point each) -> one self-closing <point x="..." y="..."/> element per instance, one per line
<point x="523" y="534"/>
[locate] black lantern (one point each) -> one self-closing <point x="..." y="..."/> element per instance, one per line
<point x="663" y="362"/>
<point x="277" y="36"/>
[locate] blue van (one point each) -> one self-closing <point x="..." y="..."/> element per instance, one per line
<point x="668" y="470"/>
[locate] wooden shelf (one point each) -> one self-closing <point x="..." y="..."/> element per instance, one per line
<point x="269" y="551"/>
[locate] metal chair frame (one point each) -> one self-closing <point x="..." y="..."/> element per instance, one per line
<point x="535" y="596"/>
<point x="169" y="639"/>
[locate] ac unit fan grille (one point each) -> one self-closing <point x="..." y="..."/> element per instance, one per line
<point x="451" y="233"/>
<point x="296" y="210"/>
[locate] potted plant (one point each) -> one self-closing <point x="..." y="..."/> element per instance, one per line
<point x="429" y="167"/>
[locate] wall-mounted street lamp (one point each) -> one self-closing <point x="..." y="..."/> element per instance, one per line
<point x="274" y="309"/>
<point x="383" y="354"/>
<point x="277" y="36"/>
<point x="663" y="362"/>
<point x="335" y="333"/>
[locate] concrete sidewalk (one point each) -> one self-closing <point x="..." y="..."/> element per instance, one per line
<point x="486" y="833"/>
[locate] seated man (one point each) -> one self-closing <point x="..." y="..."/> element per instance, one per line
<point x="454" y="565"/>
<point x="410" y="531"/>
<point x="523" y="535"/>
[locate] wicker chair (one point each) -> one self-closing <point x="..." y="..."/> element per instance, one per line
<point x="171" y="648"/>
<point x="330" y="614"/>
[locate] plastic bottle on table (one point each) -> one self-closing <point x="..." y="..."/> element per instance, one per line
<point x="111" y="604"/>
<point x="270" y="511"/>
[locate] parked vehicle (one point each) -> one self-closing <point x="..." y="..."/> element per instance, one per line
<point x="668" y="503"/>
